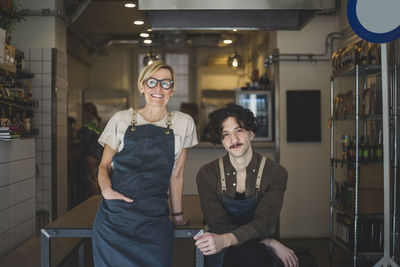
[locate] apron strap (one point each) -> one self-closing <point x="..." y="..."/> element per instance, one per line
<point x="259" y="174"/>
<point x="222" y="174"/>
<point x="169" y="122"/>
<point x="134" y="120"/>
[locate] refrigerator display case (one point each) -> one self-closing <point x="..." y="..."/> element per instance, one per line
<point x="260" y="103"/>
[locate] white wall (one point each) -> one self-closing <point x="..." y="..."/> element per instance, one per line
<point x="306" y="206"/>
<point x="113" y="71"/>
<point x="35" y="32"/>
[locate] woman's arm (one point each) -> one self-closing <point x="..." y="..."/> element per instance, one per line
<point x="176" y="188"/>
<point x="104" y="176"/>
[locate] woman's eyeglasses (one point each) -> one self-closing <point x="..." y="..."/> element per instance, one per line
<point x="164" y="83"/>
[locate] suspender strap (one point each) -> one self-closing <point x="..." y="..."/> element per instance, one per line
<point x="259" y="174"/>
<point x="260" y="171"/>
<point x="222" y="174"/>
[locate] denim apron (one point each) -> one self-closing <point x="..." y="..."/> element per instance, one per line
<point x="239" y="211"/>
<point x="138" y="234"/>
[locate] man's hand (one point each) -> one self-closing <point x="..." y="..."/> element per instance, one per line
<point x="112" y="194"/>
<point x="210" y="243"/>
<point x="285" y="254"/>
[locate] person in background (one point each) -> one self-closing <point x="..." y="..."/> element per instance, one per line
<point x="241" y="197"/>
<point x="144" y="156"/>
<point x="91" y="152"/>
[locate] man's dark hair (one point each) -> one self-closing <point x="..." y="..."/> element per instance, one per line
<point x="244" y="117"/>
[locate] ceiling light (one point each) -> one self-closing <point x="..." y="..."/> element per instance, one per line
<point x="227" y="41"/>
<point x="149" y="30"/>
<point x="130" y="5"/>
<point x="235" y="30"/>
<point x="138" y="22"/>
<point x="144" y="35"/>
<point x="234" y="60"/>
<point x="147" y="41"/>
<point x="149" y="58"/>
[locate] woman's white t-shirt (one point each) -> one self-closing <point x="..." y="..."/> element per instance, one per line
<point x="182" y="124"/>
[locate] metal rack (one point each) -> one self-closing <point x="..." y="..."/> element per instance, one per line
<point x="359" y="73"/>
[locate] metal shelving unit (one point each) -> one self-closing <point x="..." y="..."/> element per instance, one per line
<point x="359" y="73"/>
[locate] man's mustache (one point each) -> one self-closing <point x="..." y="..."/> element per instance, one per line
<point x="238" y="144"/>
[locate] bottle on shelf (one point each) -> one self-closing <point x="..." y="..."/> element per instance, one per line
<point x="372" y="150"/>
<point x="360" y="148"/>
<point x="379" y="148"/>
<point x="365" y="149"/>
<point x="353" y="148"/>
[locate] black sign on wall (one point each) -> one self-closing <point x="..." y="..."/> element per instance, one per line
<point x="303" y="109"/>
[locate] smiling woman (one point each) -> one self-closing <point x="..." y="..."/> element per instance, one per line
<point x="144" y="156"/>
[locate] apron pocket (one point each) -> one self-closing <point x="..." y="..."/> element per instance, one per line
<point x="117" y="219"/>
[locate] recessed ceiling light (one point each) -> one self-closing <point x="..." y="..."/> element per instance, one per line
<point x="235" y="30"/>
<point x="138" y="22"/>
<point x="227" y="41"/>
<point x="144" y="35"/>
<point x="130" y="5"/>
<point x="149" y="30"/>
<point x="147" y="41"/>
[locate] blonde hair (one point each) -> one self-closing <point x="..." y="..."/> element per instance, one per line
<point x="153" y="68"/>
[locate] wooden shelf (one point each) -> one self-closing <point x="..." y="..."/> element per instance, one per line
<point x="7" y="68"/>
<point x="350" y="213"/>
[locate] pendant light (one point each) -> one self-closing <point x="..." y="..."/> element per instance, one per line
<point x="234" y="60"/>
<point x="149" y="58"/>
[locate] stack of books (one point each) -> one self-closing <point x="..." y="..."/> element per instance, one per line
<point x="8" y="133"/>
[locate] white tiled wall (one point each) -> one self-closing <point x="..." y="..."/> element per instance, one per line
<point x="17" y="193"/>
<point x="38" y="62"/>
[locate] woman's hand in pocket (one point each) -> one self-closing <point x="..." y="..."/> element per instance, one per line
<point x="112" y="194"/>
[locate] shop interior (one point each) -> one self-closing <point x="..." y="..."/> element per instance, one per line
<point x="314" y="85"/>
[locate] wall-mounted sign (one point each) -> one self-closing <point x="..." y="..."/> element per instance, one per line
<point x="375" y="21"/>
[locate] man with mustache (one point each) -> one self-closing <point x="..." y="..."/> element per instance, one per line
<point x="241" y="196"/>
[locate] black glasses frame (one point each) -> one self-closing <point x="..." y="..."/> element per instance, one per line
<point x="160" y="82"/>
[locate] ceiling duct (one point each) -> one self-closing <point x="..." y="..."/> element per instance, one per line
<point x="229" y="14"/>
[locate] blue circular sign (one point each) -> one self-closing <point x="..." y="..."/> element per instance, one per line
<point x="364" y="19"/>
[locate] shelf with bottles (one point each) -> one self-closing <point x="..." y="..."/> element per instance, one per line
<point x="370" y="149"/>
<point x="16" y="93"/>
<point x="16" y="106"/>
<point x="370" y="233"/>
<point x="366" y="56"/>
<point x="370" y="107"/>
<point x="15" y="122"/>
